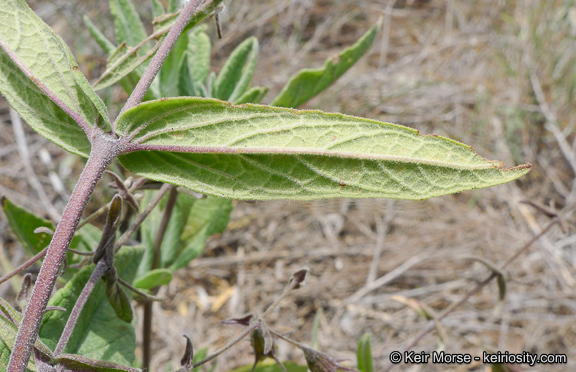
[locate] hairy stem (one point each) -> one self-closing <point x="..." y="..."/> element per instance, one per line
<point x="104" y="150"/>
<point x="160" y="56"/>
<point x="99" y="270"/>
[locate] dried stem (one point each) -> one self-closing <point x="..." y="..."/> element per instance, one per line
<point x="432" y="324"/>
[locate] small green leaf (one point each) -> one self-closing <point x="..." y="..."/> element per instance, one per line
<point x="119" y="301"/>
<point x="99" y="334"/>
<point x="173" y="5"/>
<point x="123" y="61"/>
<point x="252" y="95"/>
<point x="186" y="86"/>
<point x="23" y="224"/>
<point x="170" y="73"/>
<point x="199" y="48"/>
<point x="235" y="77"/>
<point x="129" y="59"/>
<point x="307" y="83"/>
<point x="129" y="27"/>
<point x="257" y="152"/>
<point x="157" y="8"/>
<point x="106" y="45"/>
<point x="207" y="217"/>
<point x="154" y="278"/>
<point x="35" y="64"/>
<point x="364" y="353"/>
<point x="71" y="362"/>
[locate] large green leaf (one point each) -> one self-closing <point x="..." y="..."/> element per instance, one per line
<point x="235" y="77"/>
<point x="307" y="83"/>
<point x="99" y="334"/>
<point x="127" y="59"/>
<point x="37" y="77"/>
<point x="129" y="27"/>
<point x="260" y="152"/>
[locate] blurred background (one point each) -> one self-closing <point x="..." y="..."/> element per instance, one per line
<point x="499" y="75"/>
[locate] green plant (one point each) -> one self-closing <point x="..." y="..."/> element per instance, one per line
<point x="205" y="143"/>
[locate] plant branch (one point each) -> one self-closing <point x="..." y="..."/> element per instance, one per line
<point x="104" y="149"/>
<point x="433" y="324"/>
<point x="160" y="56"/>
<point x="224" y="348"/>
<point x="141" y="217"/>
<point x="24" y="266"/>
<point x="99" y="270"/>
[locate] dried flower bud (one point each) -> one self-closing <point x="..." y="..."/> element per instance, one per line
<point x="188" y="358"/>
<point x="320" y="362"/>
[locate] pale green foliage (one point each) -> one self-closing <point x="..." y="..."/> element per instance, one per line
<point x="50" y="64"/>
<point x="259" y="152"/>
<point x="307" y="83"/>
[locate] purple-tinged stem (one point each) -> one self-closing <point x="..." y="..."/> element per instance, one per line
<point x="104" y="150"/>
<point x="24" y="266"/>
<point x="75" y="115"/>
<point x="160" y="56"/>
<point x="99" y="270"/>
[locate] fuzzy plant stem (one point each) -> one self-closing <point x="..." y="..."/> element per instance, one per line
<point x="104" y="150"/>
<point x="160" y="56"/>
<point x="98" y="272"/>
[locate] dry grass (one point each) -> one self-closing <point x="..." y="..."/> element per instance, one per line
<point x="467" y="70"/>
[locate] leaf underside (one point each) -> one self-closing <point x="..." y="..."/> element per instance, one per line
<point x="257" y="152"/>
<point x="35" y="61"/>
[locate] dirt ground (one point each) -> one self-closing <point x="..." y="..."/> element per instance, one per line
<point x="497" y="75"/>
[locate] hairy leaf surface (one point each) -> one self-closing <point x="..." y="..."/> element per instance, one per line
<point x="99" y="334"/>
<point x="308" y="83"/>
<point x="259" y="152"/>
<point x="236" y="74"/>
<point x="128" y="59"/>
<point x="35" y="64"/>
<point x="129" y="27"/>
